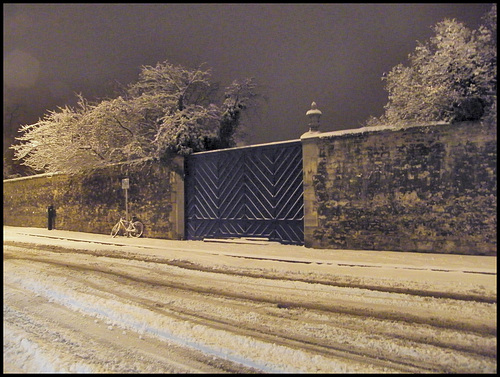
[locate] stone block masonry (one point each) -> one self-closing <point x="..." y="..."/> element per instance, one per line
<point x="95" y="201"/>
<point x="422" y="188"/>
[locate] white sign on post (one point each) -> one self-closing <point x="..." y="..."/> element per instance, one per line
<point x="125" y="183"/>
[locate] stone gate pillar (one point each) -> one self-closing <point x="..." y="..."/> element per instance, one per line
<point x="177" y="199"/>
<point x="310" y="156"/>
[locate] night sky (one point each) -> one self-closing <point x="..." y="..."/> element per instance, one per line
<point x="333" y="54"/>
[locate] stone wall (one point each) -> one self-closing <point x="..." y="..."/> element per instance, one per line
<point x="423" y="188"/>
<point x="94" y="202"/>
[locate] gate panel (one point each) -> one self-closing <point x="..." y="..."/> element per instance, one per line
<point x="232" y="194"/>
<point x="246" y="192"/>
<point x="201" y="196"/>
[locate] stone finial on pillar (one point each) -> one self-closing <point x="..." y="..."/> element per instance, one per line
<point x="314" y="114"/>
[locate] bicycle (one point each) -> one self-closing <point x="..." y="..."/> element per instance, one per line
<point x="133" y="228"/>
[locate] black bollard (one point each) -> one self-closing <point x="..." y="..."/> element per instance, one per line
<point x="51" y="214"/>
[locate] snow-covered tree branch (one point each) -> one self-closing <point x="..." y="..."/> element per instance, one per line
<point x="452" y="77"/>
<point x="170" y="109"/>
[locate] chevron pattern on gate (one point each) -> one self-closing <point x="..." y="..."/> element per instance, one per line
<point x="246" y="192"/>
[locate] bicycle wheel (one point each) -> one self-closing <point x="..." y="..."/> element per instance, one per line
<point x="115" y="230"/>
<point x="139" y="229"/>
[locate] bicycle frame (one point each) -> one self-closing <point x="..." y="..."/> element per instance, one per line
<point x="130" y="228"/>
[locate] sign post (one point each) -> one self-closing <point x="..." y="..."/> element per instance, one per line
<point x="126" y="186"/>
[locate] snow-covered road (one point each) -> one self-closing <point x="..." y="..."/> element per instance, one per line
<point x="79" y="303"/>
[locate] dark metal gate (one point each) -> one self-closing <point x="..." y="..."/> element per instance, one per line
<point x="246" y="192"/>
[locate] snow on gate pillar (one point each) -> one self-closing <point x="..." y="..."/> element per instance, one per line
<point x="310" y="156"/>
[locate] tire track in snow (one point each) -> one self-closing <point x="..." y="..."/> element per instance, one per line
<point x="269" y="274"/>
<point x="341" y="307"/>
<point x="204" y="319"/>
<point x="100" y="348"/>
